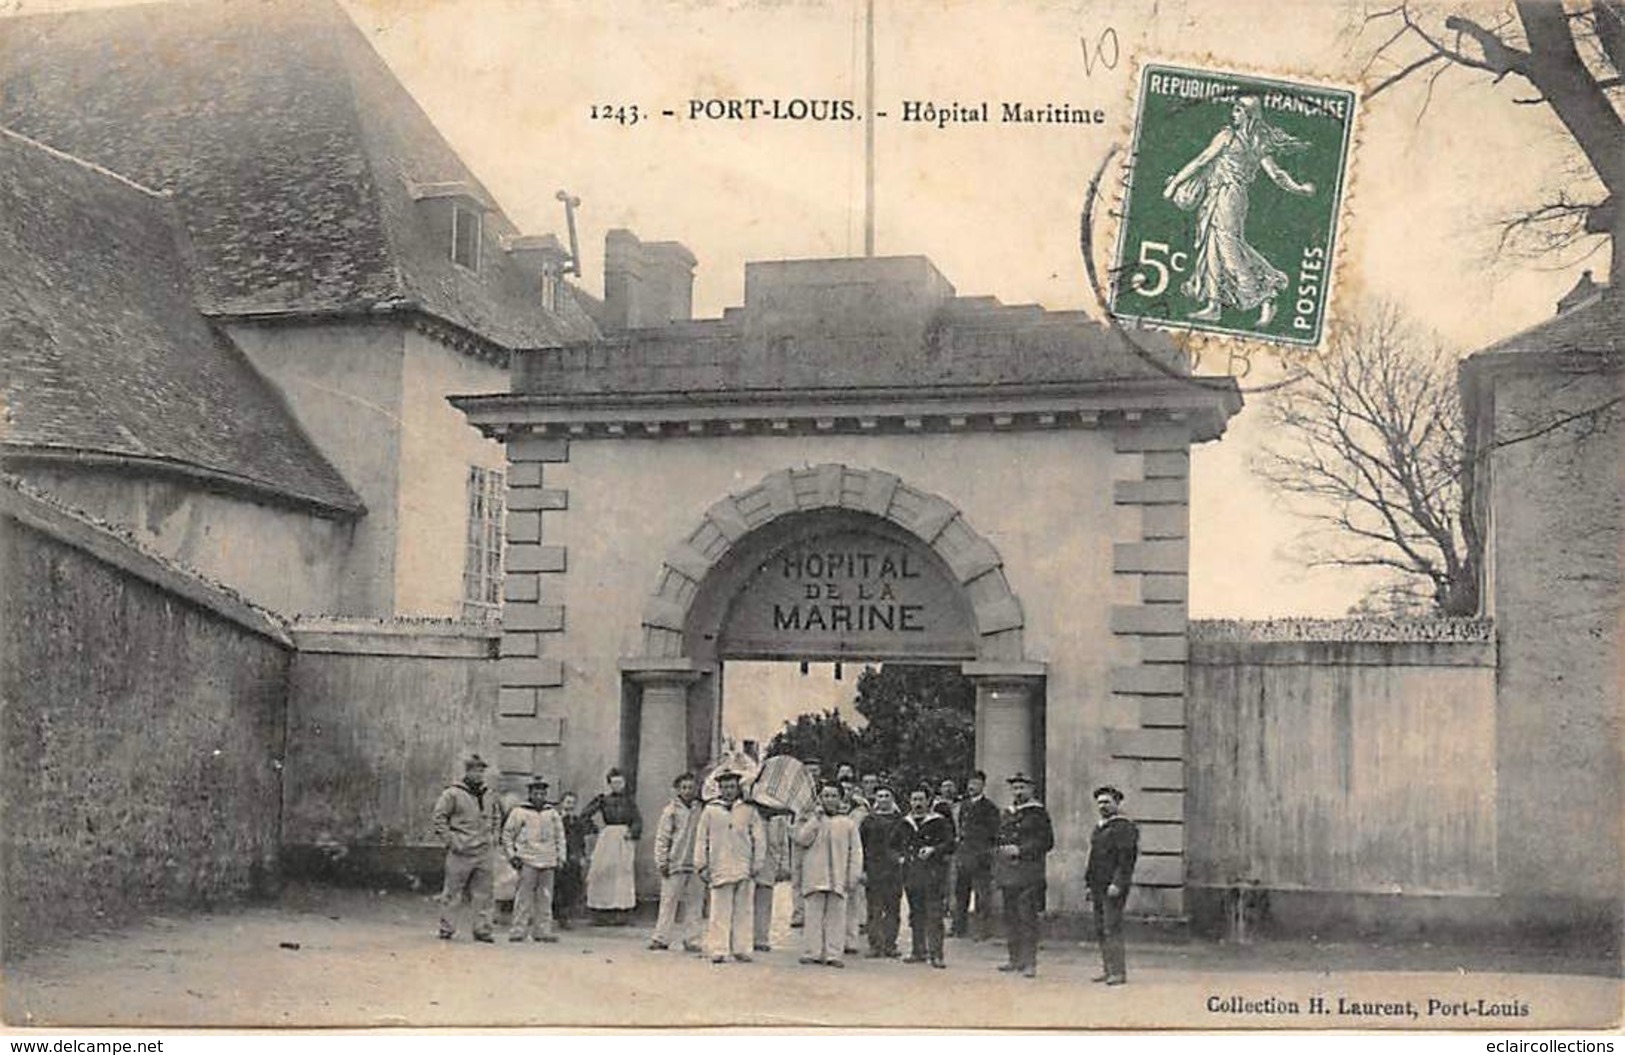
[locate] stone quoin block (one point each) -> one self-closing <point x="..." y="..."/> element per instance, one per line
<point x="546" y="618"/>
<point x="1162" y="712"/>
<point x="516" y="758"/>
<point x="520" y="586"/>
<point x="1163" y="649"/>
<point x="1160" y="465"/>
<point x="527" y="644"/>
<point x="1151" y="744"/>
<point x="544" y="729"/>
<point x="538" y="498"/>
<point x="1156" y="869"/>
<point x="1170" y="557"/>
<point x="1164" y="589"/>
<point x="530" y="672"/>
<point x="1151" y="438"/>
<point x="1148" y="619"/>
<point x="1155" y="679"/>
<point x="516" y="702"/>
<point x="1162" y="838"/>
<point x="1151" y="492"/>
<point x="524" y="474"/>
<point x="1158" y="806"/>
<point x="1164" y="522"/>
<point x="1162" y="776"/>
<point x="538" y="449"/>
<point x="528" y="557"/>
<point x="523" y="526"/>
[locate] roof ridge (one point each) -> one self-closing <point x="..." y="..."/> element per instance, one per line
<point x="63" y="155"/>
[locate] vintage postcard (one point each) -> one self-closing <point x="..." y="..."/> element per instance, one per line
<point x="775" y="514"/>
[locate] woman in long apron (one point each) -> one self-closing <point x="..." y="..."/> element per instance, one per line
<point x="610" y="892"/>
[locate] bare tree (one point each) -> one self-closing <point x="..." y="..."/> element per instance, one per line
<point x="1572" y="54"/>
<point x="1368" y="444"/>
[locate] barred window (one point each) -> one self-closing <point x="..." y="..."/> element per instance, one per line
<point x="482" y="560"/>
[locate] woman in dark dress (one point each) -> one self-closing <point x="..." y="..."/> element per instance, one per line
<point x="610" y="891"/>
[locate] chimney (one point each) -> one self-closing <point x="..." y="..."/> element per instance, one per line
<point x="646" y="284"/>
<point x="1582" y="292"/>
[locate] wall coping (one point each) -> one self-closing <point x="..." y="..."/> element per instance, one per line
<point x="1373" y="630"/>
<point x="428" y="638"/>
<point x="81" y="531"/>
<point x="1203" y="409"/>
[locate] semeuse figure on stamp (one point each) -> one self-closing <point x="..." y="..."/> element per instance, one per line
<point x="1114" y="846"/>
<point x="533" y="842"/>
<point x="1227" y="270"/>
<point x="1025" y="838"/>
<point x="467" y="820"/>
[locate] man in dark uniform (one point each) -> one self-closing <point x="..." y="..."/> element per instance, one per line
<point x="1113" y="849"/>
<point x="1025" y="837"/>
<point x="882" y="870"/>
<point x="973" y="859"/>
<point x="925" y="841"/>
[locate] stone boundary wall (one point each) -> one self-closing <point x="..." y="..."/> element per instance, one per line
<point x="1342" y="775"/>
<point x="380" y="714"/>
<point x="142" y="714"/>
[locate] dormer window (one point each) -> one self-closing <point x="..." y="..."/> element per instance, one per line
<point x="453" y="215"/>
<point x="550" y="289"/>
<point x="465" y="236"/>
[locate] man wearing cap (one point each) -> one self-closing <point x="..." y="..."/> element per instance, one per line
<point x="978" y="825"/>
<point x="730" y="849"/>
<point x="467" y="820"/>
<point x="533" y="842"/>
<point x="1114" y="846"/>
<point x="1025" y="838"/>
<point x="925" y="841"/>
<point x="680" y="889"/>
<point x="832" y="861"/>
<point x="882" y="872"/>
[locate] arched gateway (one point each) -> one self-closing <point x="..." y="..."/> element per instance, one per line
<point x="857" y="464"/>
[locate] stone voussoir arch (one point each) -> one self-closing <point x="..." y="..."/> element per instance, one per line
<point x="934" y="521"/>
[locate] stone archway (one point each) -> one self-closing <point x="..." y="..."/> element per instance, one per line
<point x="672" y="684"/>
<point x="936" y="523"/>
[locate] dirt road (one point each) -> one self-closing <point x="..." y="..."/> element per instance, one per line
<point x="344" y="958"/>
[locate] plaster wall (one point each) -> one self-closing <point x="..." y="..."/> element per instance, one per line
<point x="283" y="559"/>
<point x="1555" y="593"/>
<point x="437" y="447"/>
<point x="343" y="382"/>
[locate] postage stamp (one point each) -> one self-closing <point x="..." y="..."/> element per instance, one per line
<point x="1205" y="243"/>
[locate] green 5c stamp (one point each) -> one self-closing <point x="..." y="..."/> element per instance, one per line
<point x="1234" y="193"/>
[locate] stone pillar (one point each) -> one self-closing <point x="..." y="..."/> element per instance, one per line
<point x="662" y="753"/>
<point x="1005" y="729"/>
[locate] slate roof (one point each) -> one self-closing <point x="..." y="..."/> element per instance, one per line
<point x="102" y="352"/>
<point x="1596" y="327"/>
<point x="290" y="149"/>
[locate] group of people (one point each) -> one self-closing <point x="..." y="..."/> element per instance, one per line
<point x="853" y="858"/>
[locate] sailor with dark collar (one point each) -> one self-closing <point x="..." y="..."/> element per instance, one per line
<point x="1026" y="836"/>
<point x="1113" y="848"/>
